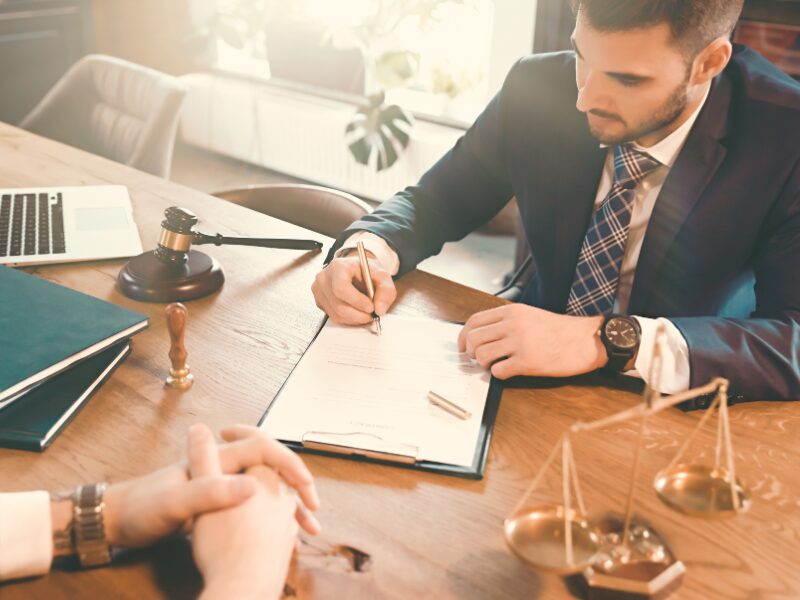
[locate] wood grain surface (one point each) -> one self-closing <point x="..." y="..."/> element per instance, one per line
<point x="415" y="535"/>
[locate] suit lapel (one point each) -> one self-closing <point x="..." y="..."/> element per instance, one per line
<point x="696" y="164"/>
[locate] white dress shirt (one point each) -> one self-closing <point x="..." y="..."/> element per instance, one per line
<point x="675" y="370"/>
<point x="26" y="539"/>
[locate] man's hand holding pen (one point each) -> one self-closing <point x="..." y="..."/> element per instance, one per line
<point x="339" y="289"/>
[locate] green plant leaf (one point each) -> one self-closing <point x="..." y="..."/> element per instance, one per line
<point x="378" y="133"/>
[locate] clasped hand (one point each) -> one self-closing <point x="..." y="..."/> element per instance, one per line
<point x="234" y="500"/>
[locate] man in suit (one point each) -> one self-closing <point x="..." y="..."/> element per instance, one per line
<point x="648" y="193"/>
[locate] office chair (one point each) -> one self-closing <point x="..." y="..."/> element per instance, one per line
<point x="516" y="280"/>
<point x="324" y="210"/>
<point x="114" y="108"/>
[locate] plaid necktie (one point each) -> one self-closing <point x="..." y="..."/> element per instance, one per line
<point x="597" y="273"/>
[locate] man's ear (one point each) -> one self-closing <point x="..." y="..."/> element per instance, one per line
<point x="711" y="61"/>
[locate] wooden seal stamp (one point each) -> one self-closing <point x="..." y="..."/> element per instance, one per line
<point x="179" y="375"/>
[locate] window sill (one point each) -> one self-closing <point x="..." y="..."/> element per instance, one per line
<point x="354" y="100"/>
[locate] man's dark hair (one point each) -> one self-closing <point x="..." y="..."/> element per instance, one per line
<point x="694" y="23"/>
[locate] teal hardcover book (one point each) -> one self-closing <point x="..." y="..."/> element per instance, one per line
<point x="39" y="415"/>
<point x="45" y="328"/>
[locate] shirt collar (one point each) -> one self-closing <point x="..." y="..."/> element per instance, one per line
<point x="666" y="151"/>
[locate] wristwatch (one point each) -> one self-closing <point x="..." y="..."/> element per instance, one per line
<point x="88" y="527"/>
<point x="621" y="336"/>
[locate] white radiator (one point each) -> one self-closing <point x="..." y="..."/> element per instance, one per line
<point x="298" y="134"/>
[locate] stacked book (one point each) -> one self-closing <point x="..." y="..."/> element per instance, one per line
<point x="57" y="346"/>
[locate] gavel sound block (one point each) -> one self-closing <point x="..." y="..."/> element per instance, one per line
<point x="147" y="278"/>
<point x="173" y="272"/>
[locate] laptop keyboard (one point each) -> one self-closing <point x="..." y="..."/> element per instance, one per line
<point x="31" y="224"/>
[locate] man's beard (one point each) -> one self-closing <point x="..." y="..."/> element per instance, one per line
<point x="667" y="113"/>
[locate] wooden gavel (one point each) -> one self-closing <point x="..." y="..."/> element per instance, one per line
<point x="178" y="235"/>
<point x="174" y="271"/>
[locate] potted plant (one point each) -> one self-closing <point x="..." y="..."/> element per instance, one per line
<point x="364" y="56"/>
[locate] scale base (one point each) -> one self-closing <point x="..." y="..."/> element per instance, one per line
<point x="635" y="581"/>
<point x="643" y="569"/>
<point x="147" y="278"/>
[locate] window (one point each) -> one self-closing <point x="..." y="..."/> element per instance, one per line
<point x="437" y="58"/>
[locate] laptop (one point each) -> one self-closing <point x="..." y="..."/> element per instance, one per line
<point x="66" y="224"/>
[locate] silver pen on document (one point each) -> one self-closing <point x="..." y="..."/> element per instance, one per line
<point x="448" y="405"/>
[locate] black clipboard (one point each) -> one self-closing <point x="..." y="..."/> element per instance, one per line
<point x="474" y="471"/>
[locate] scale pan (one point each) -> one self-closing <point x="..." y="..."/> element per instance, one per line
<point x="536" y="536"/>
<point x="700" y="491"/>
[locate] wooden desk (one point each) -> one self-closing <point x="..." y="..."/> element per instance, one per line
<point x="427" y="535"/>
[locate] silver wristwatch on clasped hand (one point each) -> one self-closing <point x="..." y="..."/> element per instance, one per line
<point x="88" y="527"/>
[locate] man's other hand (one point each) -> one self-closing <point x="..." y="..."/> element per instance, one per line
<point x="517" y="339"/>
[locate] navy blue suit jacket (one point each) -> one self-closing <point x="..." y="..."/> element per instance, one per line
<point x="729" y="209"/>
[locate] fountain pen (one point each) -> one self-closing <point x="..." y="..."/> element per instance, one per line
<point x="367" y="277"/>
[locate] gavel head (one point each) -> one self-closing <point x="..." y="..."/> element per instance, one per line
<point x="176" y="235"/>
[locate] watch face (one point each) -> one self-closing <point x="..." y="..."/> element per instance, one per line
<point x="621" y="333"/>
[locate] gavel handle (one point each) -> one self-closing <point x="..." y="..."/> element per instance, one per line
<point x="218" y="240"/>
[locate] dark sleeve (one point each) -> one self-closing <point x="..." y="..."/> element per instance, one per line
<point x="760" y="355"/>
<point x="463" y="190"/>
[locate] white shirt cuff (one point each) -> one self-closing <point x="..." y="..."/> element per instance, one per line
<point x="378" y="246"/>
<point x="675" y="369"/>
<point x="26" y="538"/>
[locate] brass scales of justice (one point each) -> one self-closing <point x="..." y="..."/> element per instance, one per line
<point x="561" y="538"/>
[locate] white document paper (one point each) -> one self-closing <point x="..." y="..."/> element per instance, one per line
<point x="355" y="388"/>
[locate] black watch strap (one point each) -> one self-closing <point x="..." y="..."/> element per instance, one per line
<point x="616" y="363"/>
